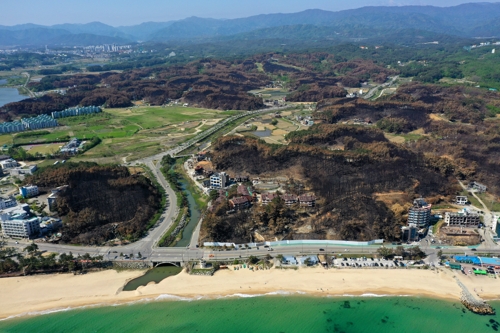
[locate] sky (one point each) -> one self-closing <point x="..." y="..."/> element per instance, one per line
<point x="131" y="12"/>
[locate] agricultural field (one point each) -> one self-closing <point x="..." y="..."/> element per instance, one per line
<point x="126" y="134"/>
<point x="43" y="148"/>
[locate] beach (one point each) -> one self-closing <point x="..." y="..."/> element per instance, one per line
<point x="42" y="293"/>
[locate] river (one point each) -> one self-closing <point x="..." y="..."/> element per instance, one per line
<point x="155" y="274"/>
<point x="194" y="219"/>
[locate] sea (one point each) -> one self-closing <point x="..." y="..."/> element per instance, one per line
<point x="266" y="313"/>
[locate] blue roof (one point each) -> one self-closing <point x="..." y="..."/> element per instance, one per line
<point x="478" y="260"/>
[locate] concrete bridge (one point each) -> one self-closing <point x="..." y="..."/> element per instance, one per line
<point x="167" y="263"/>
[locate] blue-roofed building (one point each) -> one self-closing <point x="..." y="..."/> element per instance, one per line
<point x="289" y="260"/>
<point x="313" y="260"/>
<point x="479" y="261"/>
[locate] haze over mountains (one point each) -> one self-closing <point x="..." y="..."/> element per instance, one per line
<point x="467" y="20"/>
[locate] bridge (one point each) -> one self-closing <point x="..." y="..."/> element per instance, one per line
<point x="167" y="263"/>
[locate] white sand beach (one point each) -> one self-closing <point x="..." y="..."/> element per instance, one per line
<point x="34" y="294"/>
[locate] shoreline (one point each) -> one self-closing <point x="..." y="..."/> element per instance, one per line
<point x="39" y="295"/>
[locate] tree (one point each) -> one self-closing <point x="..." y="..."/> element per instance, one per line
<point x="279" y="257"/>
<point x="31" y="249"/>
<point x="139" y="255"/>
<point x="308" y="261"/>
<point x="440" y="254"/>
<point x="253" y="260"/>
<point x="400" y="251"/>
<point x="214" y="194"/>
<point x="385" y="251"/>
<point x="415" y="252"/>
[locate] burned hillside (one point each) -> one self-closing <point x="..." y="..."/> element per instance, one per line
<point x="101" y="202"/>
<point x="344" y="180"/>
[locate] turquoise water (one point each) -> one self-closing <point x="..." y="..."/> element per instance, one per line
<point x="267" y="314"/>
<point x="9" y="95"/>
<point x="153" y="275"/>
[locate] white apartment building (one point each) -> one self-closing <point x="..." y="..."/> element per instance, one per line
<point x="28" y="191"/>
<point x="7" y="203"/>
<point x="21" y="228"/>
<point x="218" y="180"/>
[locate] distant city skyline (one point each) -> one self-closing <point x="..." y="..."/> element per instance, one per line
<point x="132" y="12"/>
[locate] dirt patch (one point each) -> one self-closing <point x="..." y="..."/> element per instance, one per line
<point x="436" y="117"/>
<point x="394" y="138"/>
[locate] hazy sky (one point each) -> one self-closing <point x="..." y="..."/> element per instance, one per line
<point x="130" y="12"/>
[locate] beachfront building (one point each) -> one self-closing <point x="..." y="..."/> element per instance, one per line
<point x="308" y="260"/>
<point x="289" y="260"/>
<point x="28" y="191"/>
<point x="41" y="121"/>
<point x="21" y="228"/>
<point x="16" y="222"/>
<point x="218" y="180"/>
<point x="409" y="234"/>
<point x="77" y="111"/>
<point x="419" y="215"/>
<point x="463" y="218"/>
<point x="8" y="164"/>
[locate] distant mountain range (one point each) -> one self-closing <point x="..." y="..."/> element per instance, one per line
<point x="467" y="20"/>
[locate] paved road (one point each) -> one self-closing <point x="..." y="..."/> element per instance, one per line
<point x="374" y="90"/>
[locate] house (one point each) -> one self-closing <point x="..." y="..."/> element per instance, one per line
<point x="478" y="187"/>
<point x="307" y="200"/>
<point x="239" y="203"/>
<point x="290" y="199"/>
<point x="243" y="190"/>
<point x="462" y="200"/>
<point x="28" y="191"/>
<point x="266" y="198"/>
<point x="218" y="180"/>
<point x="241" y="179"/>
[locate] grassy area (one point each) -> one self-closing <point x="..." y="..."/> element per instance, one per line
<point x="49" y="148"/>
<point x="490" y="201"/>
<point x="437" y="226"/>
<point x="127" y="133"/>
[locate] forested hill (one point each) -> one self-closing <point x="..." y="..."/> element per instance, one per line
<point x="101" y="202"/>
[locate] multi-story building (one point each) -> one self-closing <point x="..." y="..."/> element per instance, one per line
<point x="7" y="203"/>
<point x="21" y="228"/>
<point x="218" y="180"/>
<point x="28" y="191"/>
<point x="463" y="218"/>
<point x="419" y="215"/>
<point x="78" y="111"/>
<point x="409" y="234"/>
<point x="42" y="121"/>
<point x="52" y="198"/>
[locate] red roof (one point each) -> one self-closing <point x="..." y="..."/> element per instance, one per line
<point x="307" y="198"/>
<point x="239" y="201"/>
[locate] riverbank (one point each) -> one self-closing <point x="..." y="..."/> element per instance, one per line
<point x="35" y="294"/>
